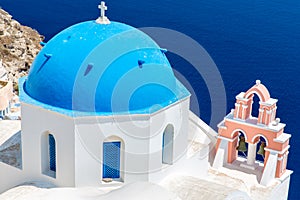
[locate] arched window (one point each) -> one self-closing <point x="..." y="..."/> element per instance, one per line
<point x="167" y="145"/>
<point x="52" y="153"/>
<point x="48" y="155"/>
<point x="113" y="159"/>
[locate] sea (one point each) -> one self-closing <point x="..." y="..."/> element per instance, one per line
<point x="248" y="40"/>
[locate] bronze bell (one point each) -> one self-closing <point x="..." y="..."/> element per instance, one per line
<point x="261" y="150"/>
<point x="242" y="145"/>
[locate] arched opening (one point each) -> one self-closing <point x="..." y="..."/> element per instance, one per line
<point x="255" y="106"/>
<point x="261" y="143"/>
<point x="113" y="159"/>
<point x="167" y="145"/>
<point x="52" y="153"/>
<point x="242" y="145"/>
<point x="258" y="93"/>
<point x="48" y="153"/>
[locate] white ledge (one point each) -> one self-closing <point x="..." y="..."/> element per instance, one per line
<point x="283" y="138"/>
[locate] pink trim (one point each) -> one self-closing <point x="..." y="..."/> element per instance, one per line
<point x="261" y="91"/>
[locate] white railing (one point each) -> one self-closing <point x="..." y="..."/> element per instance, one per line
<point x="207" y="130"/>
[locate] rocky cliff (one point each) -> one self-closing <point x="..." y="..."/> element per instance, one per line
<point x="18" y="46"/>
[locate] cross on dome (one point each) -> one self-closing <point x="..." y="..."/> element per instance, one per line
<point x="102" y="19"/>
<point x="103" y="8"/>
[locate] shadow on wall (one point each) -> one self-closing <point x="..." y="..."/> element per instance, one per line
<point x="11" y="151"/>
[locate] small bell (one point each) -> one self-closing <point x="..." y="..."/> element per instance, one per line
<point x="261" y="150"/>
<point x="242" y="145"/>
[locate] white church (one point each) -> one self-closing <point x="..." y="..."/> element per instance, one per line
<point x="101" y="106"/>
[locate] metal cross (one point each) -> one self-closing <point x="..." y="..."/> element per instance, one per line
<point x="103" y="8"/>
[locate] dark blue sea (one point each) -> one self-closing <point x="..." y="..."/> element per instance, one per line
<point x="248" y="40"/>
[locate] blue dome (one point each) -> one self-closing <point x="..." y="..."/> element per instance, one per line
<point x="92" y="67"/>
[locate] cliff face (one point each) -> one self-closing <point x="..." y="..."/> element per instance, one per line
<point x="18" y="46"/>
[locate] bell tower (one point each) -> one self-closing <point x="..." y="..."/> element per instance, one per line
<point x="240" y="134"/>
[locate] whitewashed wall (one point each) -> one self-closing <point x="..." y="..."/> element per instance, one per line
<point x="10" y="177"/>
<point x="141" y="137"/>
<point x="36" y="124"/>
<point x="79" y="143"/>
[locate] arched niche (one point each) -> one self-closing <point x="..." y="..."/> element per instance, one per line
<point x="168" y="145"/>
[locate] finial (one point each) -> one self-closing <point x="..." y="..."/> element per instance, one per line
<point x="102" y="19"/>
<point x="258" y="82"/>
<point x="276" y="122"/>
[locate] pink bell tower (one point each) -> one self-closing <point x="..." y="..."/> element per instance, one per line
<point x="266" y="127"/>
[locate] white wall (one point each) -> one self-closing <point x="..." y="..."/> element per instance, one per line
<point x="177" y="116"/>
<point x="91" y="132"/>
<point x="36" y="123"/>
<point x="281" y="191"/>
<point x="196" y="166"/>
<point x="10" y="177"/>
<point x="141" y="136"/>
<point x="79" y="143"/>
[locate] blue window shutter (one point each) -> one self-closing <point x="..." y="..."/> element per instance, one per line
<point x="111" y="159"/>
<point x="52" y="153"/>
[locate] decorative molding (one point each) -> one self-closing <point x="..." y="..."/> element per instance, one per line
<point x="245" y="106"/>
<point x="269" y="111"/>
<point x="227" y="139"/>
<point x="278" y="152"/>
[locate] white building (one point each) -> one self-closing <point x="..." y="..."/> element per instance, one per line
<point x="101" y="103"/>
